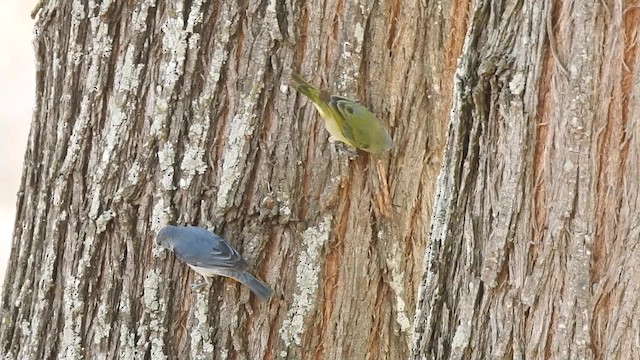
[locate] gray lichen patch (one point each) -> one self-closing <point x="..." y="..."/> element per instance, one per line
<point x="307" y="276"/>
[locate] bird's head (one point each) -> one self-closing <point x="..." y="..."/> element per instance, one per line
<point x="165" y="238"/>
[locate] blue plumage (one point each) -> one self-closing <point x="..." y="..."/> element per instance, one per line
<point x="209" y="254"/>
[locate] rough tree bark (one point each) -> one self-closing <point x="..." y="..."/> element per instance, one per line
<point x="179" y="112"/>
<point x="533" y="248"/>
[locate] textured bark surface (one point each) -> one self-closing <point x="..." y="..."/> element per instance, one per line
<point x="179" y="112"/>
<point x="534" y="241"/>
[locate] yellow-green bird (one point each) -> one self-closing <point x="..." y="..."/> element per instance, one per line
<point x="346" y="120"/>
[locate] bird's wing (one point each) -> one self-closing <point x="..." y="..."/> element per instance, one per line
<point x="209" y="250"/>
<point x="357" y="123"/>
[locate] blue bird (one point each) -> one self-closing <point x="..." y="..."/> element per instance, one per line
<point x="209" y="254"/>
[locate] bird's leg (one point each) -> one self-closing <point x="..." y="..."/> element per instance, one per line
<point x="196" y="287"/>
<point x="343" y="148"/>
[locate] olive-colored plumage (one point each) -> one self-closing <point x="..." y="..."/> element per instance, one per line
<point x="346" y="120"/>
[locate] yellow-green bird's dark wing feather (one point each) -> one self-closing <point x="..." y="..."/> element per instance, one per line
<point x="357" y="122"/>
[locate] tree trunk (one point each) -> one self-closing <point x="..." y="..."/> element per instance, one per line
<point x="533" y="246"/>
<point x="180" y="112"/>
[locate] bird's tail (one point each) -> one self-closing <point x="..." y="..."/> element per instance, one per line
<point x="257" y="286"/>
<point x="305" y="88"/>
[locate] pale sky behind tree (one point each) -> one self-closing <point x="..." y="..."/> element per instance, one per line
<point x="17" y="79"/>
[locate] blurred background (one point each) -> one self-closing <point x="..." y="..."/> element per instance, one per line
<point x="17" y="79"/>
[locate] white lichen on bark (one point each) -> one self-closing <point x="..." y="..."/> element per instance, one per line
<point x="140" y="14"/>
<point x="192" y="161"/>
<point x="174" y="48"/>
<point x="126" y="78"/>
<point x="161" y="213"/>
<point x="71" y="347"/>
<point x="240" y="128"/>
<point x="201" y="346"/>
<point x="394" y="263"/>
<point x="126" y="342"/>
<point x="102" y="329"/>
<point x="307" y="273"/>
<point x="166" y="157"/>
<point x="99" y="49"/>
<point x="103" y="220"/>
<point x="271" y="21"/>
<point x="151" y="329"/>
<point x="352" y="48"/>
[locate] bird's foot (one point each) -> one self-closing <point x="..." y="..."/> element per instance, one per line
<point x="348" y="150"/>
<point x="200" y="285"/>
